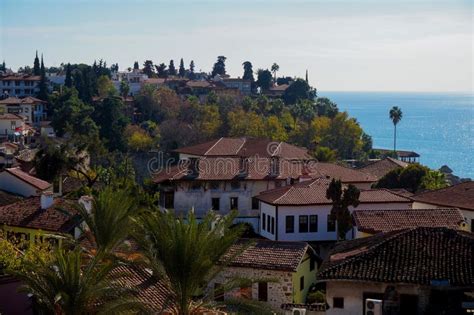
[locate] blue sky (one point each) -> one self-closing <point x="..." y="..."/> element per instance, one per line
<point x="345" y="45"/>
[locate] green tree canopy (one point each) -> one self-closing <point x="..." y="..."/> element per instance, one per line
<point x="219" y="66"/>
<point x="297" y="91"/>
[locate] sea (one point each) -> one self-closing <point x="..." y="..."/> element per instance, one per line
<point x="438" y="126"/>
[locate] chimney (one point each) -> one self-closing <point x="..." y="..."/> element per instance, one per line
<point x="47" y="199"/>
<point x="86" y="202"/>
<point x="275" y="166"/>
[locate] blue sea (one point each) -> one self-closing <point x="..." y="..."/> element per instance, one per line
<point x="438" y="126"/>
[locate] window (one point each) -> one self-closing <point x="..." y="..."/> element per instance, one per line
<point x="17" y="91"/>
<point x="263" y="291"/>
<point x="303" y="224"/>
<point x="234" y="203"/>
<point x="246" y="292"/>
<point x="254" y="203"/>
<point x="331" y="224"/>
<point x="301" y="283"/>
<point x="215" y="204"/>
<point x="273" y="225"/>
<point x="269" y="227"/>
<point x="313" y="223"/>
<point x="290" y="224"/>
<point x="169" y="199"/>
<point x="218" y="294"/>
<point x="338" y="302"/>
<point x="263" y="221"/>
<point x="312" y="262"/>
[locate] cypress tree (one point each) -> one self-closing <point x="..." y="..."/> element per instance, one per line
<point x="171" y="68"/>
<point x="68" y="81"/>
<point x="191" y="70"/>
<point x="43" y="84"/>
<point x="36" y="65"/>
<point x="182" y="71"/>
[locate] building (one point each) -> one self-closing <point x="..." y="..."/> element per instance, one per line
<point x="301" y="212"/>
<point x="43" y="218"/>
<point x="243" y="86"/>
<point x="229" y="173"/>
<point x="370" y="222"/>
<point x="276" y="90"/>
<point x="292" y="264"/>
<point x="12" y="126"/>
<point x="404" y="156"/>
<point x="31" y="108"/>
<point x="381" y="167"/>
<point x="459" y="196"/>
<point x="19" y="85"/>
<point x="18" y="182"/>
<point x="135" y="80"/>
<point x="413" y="271"/>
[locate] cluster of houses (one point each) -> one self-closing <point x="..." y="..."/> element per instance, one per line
<point x="405" y="254"/>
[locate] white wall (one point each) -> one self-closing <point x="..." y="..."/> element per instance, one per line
<point x="14" y="185"/>
<point x="6" y="125"/>
<point x="269" y="211"/>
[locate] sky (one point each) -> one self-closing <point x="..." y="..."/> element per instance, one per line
<point x="345" y="45"/>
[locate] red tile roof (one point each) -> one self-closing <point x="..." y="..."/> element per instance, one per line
<point x="15" y="100"/>
<point x="270" y="255"/>
<point x="27" y="178"/>
<point x="382" y="167"/>
<point x="11" y="117"/>
<point x="376" y="221"/>
<point x="458" y="196"/>
<point x="155" y="81"/>
<point x="27" y="213"/>
<point x="21" y="78"/>
<point x="417" y="256"/>
<point x="313" y="192"/>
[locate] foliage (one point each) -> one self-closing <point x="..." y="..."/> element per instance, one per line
<point x="342" y="199"/>
<point x="248" y="71"/>
<point x="297" y="91"/>
<point x="275" y="68"/>
<point x="68" y="80"/>
<point x="124" y="88"/>
<point x="264" y="79"/>
<point x="316" y="297"/>
<point x="148" y="68"/>
<point x="171" y="68"/>
<point x="161" y="70"/>
<point x="324" y="107"/>
<point x="105" y="86"/>
<point x="108" y="114"/>
<point x="219" y="66"/>
<point x="191" y="70"/>
<point x="245" y="124"/>
<point x="139" y="139"/>
<point x="182" y="70"/>
<point x="36" y="65"/>
<point x="395" y="115"/>
<point x="157" y="104"/>
<point x="325" y="154"/>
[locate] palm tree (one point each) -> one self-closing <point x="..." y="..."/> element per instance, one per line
<point x="395" y="116"/>
<point x="109" y="219"/>
<point x="65" y="285"/>
<point x="275" y="68"/>
<point x="189" y="254"/>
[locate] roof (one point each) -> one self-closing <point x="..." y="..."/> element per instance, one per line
<point x="313" y="192"/>
<point x="246" y="147"/>
<point x="269" y="255"/>
<point x="150" y="291"/>
<point x="382" y="167"/>
<point x="459" y="196"/>
<point x="7" y="198"/>
<point x="11" y="117"/>
<point x="154" y="81"/>
<point x="27" y="178"/>
<point x="24" y="77"/>
<point x="16" y="101"/>
<point x="281" y="87"/>
<point x="376" y="221"/>
<point x="27" y="213"/>
<point x="198" y="84"/>
<point x="417" y="256"/>
<point x="400" y="153"/>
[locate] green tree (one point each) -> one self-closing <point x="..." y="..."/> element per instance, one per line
<point x="274" y="129"/>
<point x="325" y="154"/>
<point x="3" y="66"/>
<point x="245" y="124"/>
<point x="182" y="70"/>
<point x="192" y="75"/>
<point x="275" y="68"/>
<point x="136" y="66"/>
<point x="67" y="286"/>
<point x="342" y="199"/>
<point x="208" y="121"/>
<point x="219" y="66"/>
<point x="124" y="88"/>
<point x="189" y="254"/>
<point x="248" y="71"/>
<point x="171" y="68"/>
<point x="110" y="118"/>
<point x="36" y="65"/>
<point x="43" y="84"/>
<point x="105" y="86"/>
<point x="161" y="70"/>
<point x="148" y="68"/>
<point x="264" y="79"/>
<point x="325" y="107"/>
<point x="68" y="80"/>
<point x="395" y="115"/>
<point x="297" y="91"/>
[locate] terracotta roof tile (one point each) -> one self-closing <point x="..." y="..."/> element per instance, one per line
<point x="11" y="117"/>
<point x="60" y="217"/>
<point x="382" y="167"/>
<point x="417" y="256"/>
<point x="266" y="254"/>
<point x="15" y="100"/>
<point x="458" y="196"/>
<point x="27" y="178"/>
<point x="376" y="221"/>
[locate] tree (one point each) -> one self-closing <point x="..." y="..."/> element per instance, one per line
<point x="68" y="286"/>
<point x="275" y="68"/>
<point x="395" y="115"/>
<point x="264" y="79"/>
<point x="43" y="84"/>
<point x="248" y="71"/>
<point x="124" y="88"/>
<point x="245" y="124"/>
<point x="36" y="65"/>
<point x="171" y="68"/>
<point x="274" y="130"/>
<point x="325" y="107"/>
<point x="342" y="199"/>
<point x="109" y="116"/>
<point x="219" y="66"/>
<point x="138" y="139"/>
<point x="161" y="70"/>
<point x="297" y="91"/>
<point x="3" y="66"/>
<point x="325" y="154"/>
<point x="207" y="121"/>
<point x="189" y="254"/>
<point x="191" y="70"/>
<point x="148" y="68"/>
<point x="182" y="70"/>
<point x="136" y="66"/>
<point x="68" y="80"/>
<point x="105" y="86"/>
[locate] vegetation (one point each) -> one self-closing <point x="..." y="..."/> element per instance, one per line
<point x="395" y="115"/>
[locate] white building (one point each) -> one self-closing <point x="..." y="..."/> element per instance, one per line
<point x="11" y="124"/>
<point x="135" y="80"/>
<point x="31" y="108"/>
<point x="16" y="181"/>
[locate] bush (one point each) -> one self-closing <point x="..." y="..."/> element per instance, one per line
<point x="316" y="297"/>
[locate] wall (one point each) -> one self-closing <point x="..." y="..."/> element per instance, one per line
<point x="14" y="185"/>
<point x="278" y="292"/>
<point x="299" y="296"/>
<point x="269" y="211"/>
<point x="6" y="126"/>
<point x="352" y="292"/>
